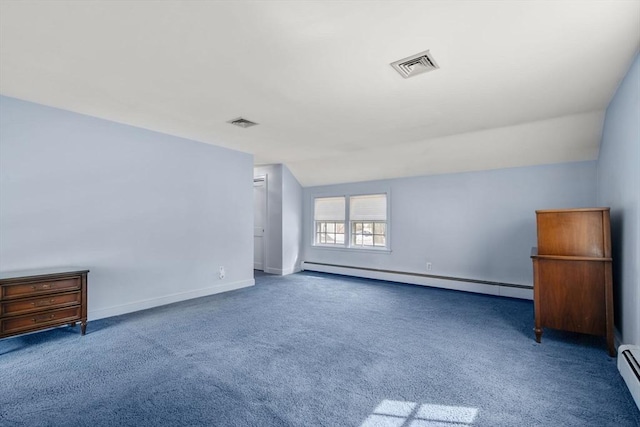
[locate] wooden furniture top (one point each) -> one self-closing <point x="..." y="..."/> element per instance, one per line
<point x="574" y="210"/>
<point x="574" y="232"/>
<point x="53" y="271"/>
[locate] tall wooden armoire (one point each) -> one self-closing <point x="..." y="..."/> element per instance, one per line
<point x="572" y="284"/>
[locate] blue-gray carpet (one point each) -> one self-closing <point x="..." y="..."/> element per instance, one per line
<point x="315" y="350"/>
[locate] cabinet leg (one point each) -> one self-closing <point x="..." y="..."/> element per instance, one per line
<point x="83" y="327"/>
<point x="538" y="332"/>
<point x="72" y="324"/>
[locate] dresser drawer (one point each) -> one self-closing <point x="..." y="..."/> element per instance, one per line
<point x="22" y="306"/>
<point x="39" y="319"/>
<point x="37" y="288"/>
<point x="33" y="300"/>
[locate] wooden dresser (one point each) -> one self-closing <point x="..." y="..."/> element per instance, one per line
<point x="42" y="299"/>
<point x="572" y="287"/>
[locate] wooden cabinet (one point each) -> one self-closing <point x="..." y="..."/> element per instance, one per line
<point x="42" y="299"/>
<point x="572" y="283"/>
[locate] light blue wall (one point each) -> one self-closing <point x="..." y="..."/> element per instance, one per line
<point x="284" y="219"/>
<point x="151" y="215"/>
<point x="619" y="188"/>
<point x="291" y="222"/>
<point x="478" y="225"/>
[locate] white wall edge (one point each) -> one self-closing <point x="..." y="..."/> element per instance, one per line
<point x="292" y="270"/>
<point x="617" y="337"/>
<point x="479" y="288"/>
<point x="167" y="299"/>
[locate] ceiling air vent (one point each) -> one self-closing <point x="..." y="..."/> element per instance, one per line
<point x="243" y="123"/>
<point x="415" y="64"/>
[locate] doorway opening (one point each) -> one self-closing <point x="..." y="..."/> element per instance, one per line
<point x="259" y="222"/>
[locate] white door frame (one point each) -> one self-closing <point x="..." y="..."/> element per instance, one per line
<point x="265" y="223"/>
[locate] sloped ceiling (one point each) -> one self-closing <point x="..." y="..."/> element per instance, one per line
<point x="520" y="82"/>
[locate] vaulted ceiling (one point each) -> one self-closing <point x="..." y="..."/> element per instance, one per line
<point x="520" y="82"/>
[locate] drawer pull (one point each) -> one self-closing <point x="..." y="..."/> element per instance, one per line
<point x="43" y="286"/>
<point x="43" y="318"/>
<point x="43" y="302"/>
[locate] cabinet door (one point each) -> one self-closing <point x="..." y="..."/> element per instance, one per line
<point x="572" y="295"/>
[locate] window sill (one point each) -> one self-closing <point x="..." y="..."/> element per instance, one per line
<point x="352" y="249"/>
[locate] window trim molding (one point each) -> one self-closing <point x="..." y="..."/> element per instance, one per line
<point x="367" y="249"/>
<point x="347" y="222"/>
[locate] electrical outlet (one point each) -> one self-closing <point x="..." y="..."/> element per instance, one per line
<point x="221" y="273"/>
<point x="428" y="266"/>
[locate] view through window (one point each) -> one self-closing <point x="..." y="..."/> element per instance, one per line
<point x="367" y="225"/>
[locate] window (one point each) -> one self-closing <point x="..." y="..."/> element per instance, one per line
<point x="367" y="226"/>
<point x="329" y="215"/>
<point x="368" y="217"/>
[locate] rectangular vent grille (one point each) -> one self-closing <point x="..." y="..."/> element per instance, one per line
<point x="416" y="64"/>
<point x="243" y="123"/>
<point x="633" y="363"/>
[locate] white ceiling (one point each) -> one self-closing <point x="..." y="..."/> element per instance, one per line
<point x="520" y="82"/>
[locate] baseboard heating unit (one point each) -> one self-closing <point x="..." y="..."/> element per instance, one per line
<point x="512" y="290"/>
<point x="629" y="367"/>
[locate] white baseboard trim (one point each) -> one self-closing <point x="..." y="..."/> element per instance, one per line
<point x="167" y="299"/>
<point x="479" y="288"/>
<point x="283" y="272"/>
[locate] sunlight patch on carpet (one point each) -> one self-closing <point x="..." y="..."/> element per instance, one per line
<point x="398" y="413"/>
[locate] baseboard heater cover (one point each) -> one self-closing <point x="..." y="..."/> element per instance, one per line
<point x="432" y="276"/>
<point x="458" y="283"/>
<point x="629" y="367"/>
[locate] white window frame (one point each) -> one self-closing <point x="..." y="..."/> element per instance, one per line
<point x="348" y="223"/>
<point x="329" y="215"/>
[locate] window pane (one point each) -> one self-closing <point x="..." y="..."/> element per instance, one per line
<point x="367" y="228"/>
<point x="379" y="240"/>
<point x="368" y="234"/>
<point x="340" y="228"/>
<point x="326" y="233"/>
